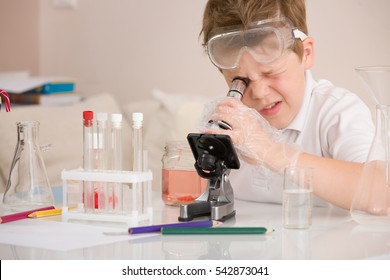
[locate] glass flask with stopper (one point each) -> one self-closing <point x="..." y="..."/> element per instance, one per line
<point x="28" y="186"/>
<point x="371" y="203"/>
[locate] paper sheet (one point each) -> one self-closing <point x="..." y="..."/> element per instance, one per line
<point x="60" y="236"/>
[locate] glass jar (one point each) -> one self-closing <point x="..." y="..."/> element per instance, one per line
<point x="181" y="184"/>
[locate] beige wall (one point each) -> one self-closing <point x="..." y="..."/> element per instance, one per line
<point x="19" y="35"/>
<point x="348" y="34"/>
<point x="129" y="47"/>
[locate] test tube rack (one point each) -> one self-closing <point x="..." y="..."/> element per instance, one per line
<point x="136" y="186"/>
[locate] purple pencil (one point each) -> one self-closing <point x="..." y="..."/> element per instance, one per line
<point x="157" y="228"/>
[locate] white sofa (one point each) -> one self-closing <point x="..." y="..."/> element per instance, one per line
<point x="166" y="117"/>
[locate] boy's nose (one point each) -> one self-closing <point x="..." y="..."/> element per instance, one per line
<point x="259" y="88"/>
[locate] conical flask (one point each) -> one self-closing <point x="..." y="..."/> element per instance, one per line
<point x="28" y="186"/>
<point x="371" y="203"/>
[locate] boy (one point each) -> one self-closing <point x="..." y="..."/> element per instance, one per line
<point x="265" y="43"/>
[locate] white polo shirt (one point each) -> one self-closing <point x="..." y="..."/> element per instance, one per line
<point x="332" y="123"/>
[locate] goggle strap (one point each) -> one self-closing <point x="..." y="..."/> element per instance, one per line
<point x="298" y="34"/>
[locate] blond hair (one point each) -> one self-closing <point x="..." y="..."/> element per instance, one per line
<point x="223" y="13"/>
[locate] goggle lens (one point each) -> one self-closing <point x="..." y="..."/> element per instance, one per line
<point x="264" y="43"/>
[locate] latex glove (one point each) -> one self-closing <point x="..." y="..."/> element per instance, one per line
<point x="255" y="140"/>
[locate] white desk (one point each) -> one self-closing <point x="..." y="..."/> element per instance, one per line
<point x="334" y="235"/>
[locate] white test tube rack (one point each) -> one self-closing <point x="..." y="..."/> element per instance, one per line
<point x="140" y="208"/>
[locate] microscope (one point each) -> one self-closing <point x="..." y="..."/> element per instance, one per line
<point x="215" y="156"/>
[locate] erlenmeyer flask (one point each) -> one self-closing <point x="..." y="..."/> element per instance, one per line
<point x="28" y="186"/>
<point x="371" y="203"/>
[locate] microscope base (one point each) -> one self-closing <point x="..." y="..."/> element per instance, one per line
<point x="216" y="211"/>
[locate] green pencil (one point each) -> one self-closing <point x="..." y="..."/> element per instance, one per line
<point x="216" y="230"/>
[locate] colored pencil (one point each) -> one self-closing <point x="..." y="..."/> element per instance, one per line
<point x="47" y="213"/>
<point x="216" y="230"/>
<point x="21" y="215"/>
<point x="157" y="228"/>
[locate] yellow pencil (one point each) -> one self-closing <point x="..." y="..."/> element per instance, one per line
<point x="47" y="213"/>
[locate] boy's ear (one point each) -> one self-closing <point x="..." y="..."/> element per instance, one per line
<point x="308" y="52"/>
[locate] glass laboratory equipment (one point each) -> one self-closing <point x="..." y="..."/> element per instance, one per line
<point x="88" y="159"/>
<point x="181" y="183"/>
<point x="115" y="191"/>
<point x="138" y="160"/>
<point x="28" y="186"/>
<point x="376" y="80"/>
<point x="371" y="203"/>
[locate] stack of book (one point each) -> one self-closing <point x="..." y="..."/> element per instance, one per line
<point x="40" y="90"/>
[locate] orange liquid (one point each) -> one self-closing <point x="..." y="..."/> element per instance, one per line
<point x="181" y="186"/>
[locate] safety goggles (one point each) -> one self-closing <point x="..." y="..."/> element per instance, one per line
<point x="265" y="40"/>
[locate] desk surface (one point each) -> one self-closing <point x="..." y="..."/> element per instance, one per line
<point x="333" y="235"/>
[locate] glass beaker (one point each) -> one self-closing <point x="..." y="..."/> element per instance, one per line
<point x="181" y="183"/>
<point x="28" y="186"/>
<point x="371" y="203"/>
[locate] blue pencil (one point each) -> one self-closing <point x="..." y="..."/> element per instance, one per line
<point x="157" y="228"/>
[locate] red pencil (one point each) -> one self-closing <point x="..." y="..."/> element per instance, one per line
<point x="21" y="215"/>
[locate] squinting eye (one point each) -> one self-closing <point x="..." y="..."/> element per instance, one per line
<point x="273" y="74"/>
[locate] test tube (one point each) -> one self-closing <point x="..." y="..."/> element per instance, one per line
<point x="88" y="154"/>
<point x="102" y="141"/>
<point x="138" y="192"/>
<point x="147" y="189"/>
<point x="101" y="159"/>
<point x="116" y="195"/>
<point x="137" y="141"/>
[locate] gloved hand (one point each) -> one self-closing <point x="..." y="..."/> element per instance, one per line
<point x="255" y="140"/>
